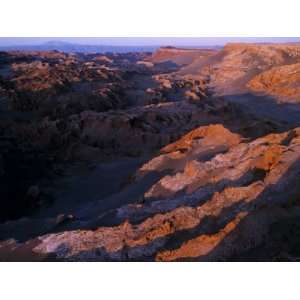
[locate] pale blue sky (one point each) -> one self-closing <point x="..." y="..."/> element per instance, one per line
<point x="134" y="41"/>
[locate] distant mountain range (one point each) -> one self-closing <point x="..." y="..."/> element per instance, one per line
<point x="70" y="47"/>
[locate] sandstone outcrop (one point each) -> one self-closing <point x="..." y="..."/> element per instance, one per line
<point x="235" y="65"/>
<point x="281" y="82"/>
<point x="231" y="204"/>
<point x="179" y="56"/>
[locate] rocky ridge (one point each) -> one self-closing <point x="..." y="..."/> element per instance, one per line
<point x="231" y="200"/>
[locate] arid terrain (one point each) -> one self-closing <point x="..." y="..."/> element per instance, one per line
<point x="179" y="154"/>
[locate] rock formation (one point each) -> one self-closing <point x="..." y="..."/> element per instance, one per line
<point x="179" y="155"/>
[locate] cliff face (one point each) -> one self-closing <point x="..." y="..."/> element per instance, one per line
<point x="131" y="157"/>
<point x="281" y="82"/>
<point x="179" y="56"/>
<point x="231" y="69"/>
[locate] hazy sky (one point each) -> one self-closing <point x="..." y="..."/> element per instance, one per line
<point x="134" y="41"/>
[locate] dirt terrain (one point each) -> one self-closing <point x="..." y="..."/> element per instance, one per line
<point x="176" y="155"/>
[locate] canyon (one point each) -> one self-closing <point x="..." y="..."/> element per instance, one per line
<point x="177" y="155"/>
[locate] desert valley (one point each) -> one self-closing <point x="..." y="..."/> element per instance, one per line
<point x="180" y="154"/>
